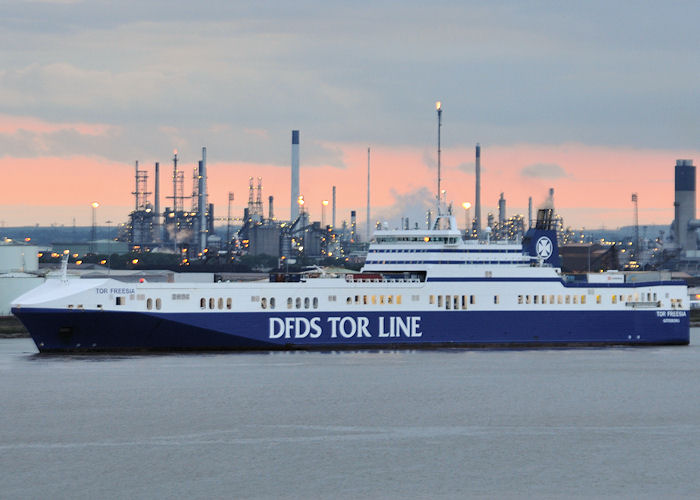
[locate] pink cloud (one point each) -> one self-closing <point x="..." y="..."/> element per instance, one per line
<point x="596" y="190"/>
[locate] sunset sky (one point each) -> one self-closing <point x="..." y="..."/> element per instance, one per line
<point x="596" y="99"/>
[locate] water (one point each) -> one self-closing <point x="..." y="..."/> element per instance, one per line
<point x="402" y="424"/>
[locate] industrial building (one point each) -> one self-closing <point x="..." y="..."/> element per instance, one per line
<point x="189" y="230"/>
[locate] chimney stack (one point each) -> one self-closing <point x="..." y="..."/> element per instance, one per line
<point x="294" y="209"/>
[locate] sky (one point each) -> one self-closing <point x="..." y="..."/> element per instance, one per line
<point x="595" y="99"/>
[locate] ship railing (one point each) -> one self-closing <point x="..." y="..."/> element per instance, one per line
<point x="350" y="279"/>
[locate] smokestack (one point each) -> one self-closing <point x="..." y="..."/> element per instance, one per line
<point x="157" y="203"/>
<point x="501" y="210"/>
<point x="353" y="225"/>
<point x="685" y="204"/>
<point x="477" y="197"/>
<point x="369" y="228"/>
<point x="334" y="207"/>
<point x="529" y="212"/>
<point x="175" y="200"/>
<point x="294" y="209"/>
<point x="203" y="201"/>
<point x="270" y="213"/>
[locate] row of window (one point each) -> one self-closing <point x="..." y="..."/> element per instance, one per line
<point x="446" y="301"/>
<point x="442" y="250"/>
<point x="560" y="299"/>
<point x="215" y="303"/>
<point x="455" y="301"/>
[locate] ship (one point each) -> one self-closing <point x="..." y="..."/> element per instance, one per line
<point x="418" y="288"/>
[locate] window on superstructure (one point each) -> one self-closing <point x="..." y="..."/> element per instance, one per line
<point x="357" y="299"/>
<point x="544" y="299"/>
<point x="220" y="303"/>
<point x="551" y="299"/>
<point x="298" y="303"/>
<point x="527" y="299"/>
<point x="431" y="299"/>
<point x="448" y="302"/>
<point x="536" y="299"/>
<point x="306" y="302"/>
<point x="159" y="303"/>
<point x="364" y="300"/>
<point x="439" y="304"/>
<point x="149" y="304"/>
<point x="598" y="299"/>
<point x="381" y="299"/>
<point x="496" y="299"/>
<point x="348" y="301"/>
<point x="390" y="299"/>
<point x="614" y="299"/>
<point x="559" y="299"/>
<point x="568" y="299"/>
<point x="203" y="303"/>
<point x="398" y="299"/>
<point x="456" y="302"/>
<point x="575" y="299"/>
<point x="228" y="303"/>
<point x="583" y="299"/>
<point x="315" y="302"/>
<point x="472" y="299"/>
<point x="121" y="301"/>
<point x="289" y="302"/>
<point x="263" y="303"/>
<point x="655" y="298"/>
<point x="520" y="299"/>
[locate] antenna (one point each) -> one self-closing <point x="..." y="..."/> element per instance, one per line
<point x="369" y="227"/>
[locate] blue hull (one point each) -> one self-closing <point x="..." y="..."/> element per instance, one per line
<point x="75" y="331"/>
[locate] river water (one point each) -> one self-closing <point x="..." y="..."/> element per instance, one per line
<point x="613" y="422"/>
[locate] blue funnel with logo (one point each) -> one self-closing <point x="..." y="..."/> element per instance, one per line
<point x="540" y="242"/>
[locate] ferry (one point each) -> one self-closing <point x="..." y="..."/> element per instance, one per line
<point x="419" y="288"/>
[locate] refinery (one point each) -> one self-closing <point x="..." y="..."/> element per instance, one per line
<point x="186" y="227"/>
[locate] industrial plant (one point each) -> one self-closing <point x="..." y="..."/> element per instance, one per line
<point x="186" y="226"/>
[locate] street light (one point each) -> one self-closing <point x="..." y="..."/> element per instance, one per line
<point x="109" y="246"/>
<point x="466" y="205"/>
<point x="438" y="107"/>
<point x="324" y="204"/>
<point x="94" y="206"/>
